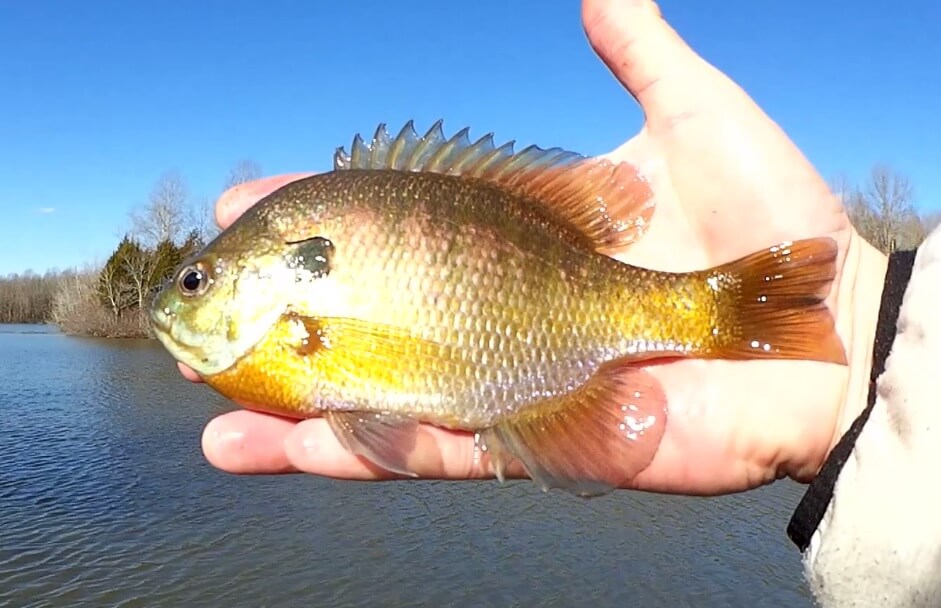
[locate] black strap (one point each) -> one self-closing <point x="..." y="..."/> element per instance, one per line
<point x="817" y="498"/>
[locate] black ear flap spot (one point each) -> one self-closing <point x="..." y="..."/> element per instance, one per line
<point x="314" y="255"/>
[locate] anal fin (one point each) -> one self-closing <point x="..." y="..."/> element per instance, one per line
<point x="589" y="441"/>
<point x="382" y="438"/>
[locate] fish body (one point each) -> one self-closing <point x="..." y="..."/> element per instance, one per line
<point x="473" y="287"/>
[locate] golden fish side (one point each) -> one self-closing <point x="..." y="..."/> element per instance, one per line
<point x="478" y="300"/>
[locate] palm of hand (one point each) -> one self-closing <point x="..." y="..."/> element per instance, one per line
<point x="728" y="183"/>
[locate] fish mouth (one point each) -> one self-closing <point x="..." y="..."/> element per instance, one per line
<point x="160" y="319"/>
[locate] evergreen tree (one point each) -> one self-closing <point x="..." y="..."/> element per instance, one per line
<point x="115" y="284"/>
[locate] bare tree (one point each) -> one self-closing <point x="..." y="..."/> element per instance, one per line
<point x="202" y="215"/>
<point x="245" y="170"/>
<point x="861" y="214"/>
<point x="889" y="196"/>
<point x="202" y="219"/>
<point x="163" y="217"/>
<point x="140" y="268"/>
<point x="883" y="211"/>
<point x="27" y="297"/>
<point x="842" y="188"/>
<point x="114" y="292"/>
<point x="76" y="297"/>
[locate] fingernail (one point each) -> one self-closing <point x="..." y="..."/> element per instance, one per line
<point x="229" y="437"/>
<point x="310" y="444"/>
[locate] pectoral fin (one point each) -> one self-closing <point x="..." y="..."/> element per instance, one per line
<point x="362" y="357"/>
<point x="590" y="441"/>
<point x="384" y="439"/>
<point x="362" y="349"/>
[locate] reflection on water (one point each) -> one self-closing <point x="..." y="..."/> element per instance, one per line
<point x="105" y="499"/>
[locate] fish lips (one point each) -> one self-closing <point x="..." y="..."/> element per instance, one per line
<point x="161" y="319"/>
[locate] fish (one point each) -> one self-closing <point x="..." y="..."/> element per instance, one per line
<point x="471" y="286"/>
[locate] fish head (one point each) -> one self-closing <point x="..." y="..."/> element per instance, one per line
<point x="222" y="301"/>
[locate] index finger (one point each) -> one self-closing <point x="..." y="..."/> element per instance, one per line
<point x="237" y="199"/>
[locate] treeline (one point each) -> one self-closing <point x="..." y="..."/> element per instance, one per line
<point x="28" y="297"/>
<point x="110" y="299"/>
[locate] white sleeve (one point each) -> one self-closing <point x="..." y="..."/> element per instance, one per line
<point x="879" y="543"/>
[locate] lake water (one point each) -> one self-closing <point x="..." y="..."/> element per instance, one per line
<point x="106" y="500"/>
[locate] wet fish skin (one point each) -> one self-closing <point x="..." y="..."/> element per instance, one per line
<point x="398" y="289"/>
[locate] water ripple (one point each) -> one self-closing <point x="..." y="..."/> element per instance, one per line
<point x="105" y="499"/>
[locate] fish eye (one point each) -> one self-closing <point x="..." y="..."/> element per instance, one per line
<point x="194" y="279"/>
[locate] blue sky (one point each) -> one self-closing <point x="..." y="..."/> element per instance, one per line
<point x="98" y="99"/>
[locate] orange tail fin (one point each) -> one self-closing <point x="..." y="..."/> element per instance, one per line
<point x="772" y="304"/>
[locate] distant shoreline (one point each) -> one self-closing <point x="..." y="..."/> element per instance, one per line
<point x="119" y="335"/>
<point x="123" y="335"/>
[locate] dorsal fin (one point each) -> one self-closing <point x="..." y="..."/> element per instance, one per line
<point x="609" y="202"/>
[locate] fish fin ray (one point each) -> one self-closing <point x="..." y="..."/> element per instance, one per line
<point x="383" y="438"/>
<point x="360" y="355"/>
<point x="610" y="203"/>
<point x="776" y="301"/>
<point x="589" y="441"/>
<point x="351" y="351"/>
<point x="353" y="343"/>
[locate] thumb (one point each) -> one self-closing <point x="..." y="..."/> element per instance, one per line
<point x="649" y="58"/>
<point x="237" y="199"/>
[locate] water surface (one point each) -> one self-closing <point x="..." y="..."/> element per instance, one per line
<point x="105" y="499"/>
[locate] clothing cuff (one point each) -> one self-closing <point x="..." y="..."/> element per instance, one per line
<point x="870" y="523"/>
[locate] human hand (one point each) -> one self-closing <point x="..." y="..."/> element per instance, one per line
<point x="727" y="182"/>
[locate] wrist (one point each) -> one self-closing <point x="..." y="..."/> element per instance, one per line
<point x="860" y="296"/>
<point x="897" y="272"/>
